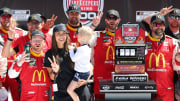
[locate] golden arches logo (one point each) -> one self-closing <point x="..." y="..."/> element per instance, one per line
<point x="107" y="52"/>
<point x="39" y="75"/>
<point x="157" y="59"/>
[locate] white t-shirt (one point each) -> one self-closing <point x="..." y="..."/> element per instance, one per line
<point x="81" y="58"/>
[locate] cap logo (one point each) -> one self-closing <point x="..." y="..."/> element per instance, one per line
<point x="74" y="7"/>
<point x="111" y="12"/>
<point x="33" y="17"/>
<point x="158" y="17"/>
<point x="89" y="9"/>
<point x="5" y="10"/>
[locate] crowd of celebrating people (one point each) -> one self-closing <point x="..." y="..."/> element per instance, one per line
<point x="39" y="65"/>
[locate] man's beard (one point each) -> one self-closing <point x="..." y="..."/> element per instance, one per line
<point x="112" y="27"/>
<point x="159" y="33"/>
<point x="74" y="21"/>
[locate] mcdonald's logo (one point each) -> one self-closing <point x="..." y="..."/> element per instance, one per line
<point x="39" y="75"/>
<point x="157" y="59"/>
<point x="107" y="52"/>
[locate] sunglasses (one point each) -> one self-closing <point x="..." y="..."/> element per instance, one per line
<point x="6" y="16"/>
<point x="112" y="18"/>
<point x="155" y="24"/>
<point x="175" y="17"/>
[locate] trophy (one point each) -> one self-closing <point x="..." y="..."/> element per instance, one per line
<point x="129" y="78"/>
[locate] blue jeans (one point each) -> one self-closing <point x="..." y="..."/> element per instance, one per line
<point x="79" y="75"/>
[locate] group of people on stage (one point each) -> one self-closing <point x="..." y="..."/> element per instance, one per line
<point x="37" y="65"/>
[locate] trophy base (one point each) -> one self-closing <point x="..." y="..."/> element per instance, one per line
<point x="116" y="78"/>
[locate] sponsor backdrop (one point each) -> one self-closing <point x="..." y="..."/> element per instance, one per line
<point x="128" y="9"/>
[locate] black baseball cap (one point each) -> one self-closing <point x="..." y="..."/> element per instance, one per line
<point x="157" y="17"/>
<point x="74" y="8"/>
<point x="5" y="10"/>
<point x="112" y="12"/>
<point x="35" y="17"/>
<point x="175" y="12"/>
<point x="37" y="32"/>
<point x="60" y="27"/>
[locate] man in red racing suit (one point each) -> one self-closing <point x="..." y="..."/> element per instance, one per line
<point x="104" y="54"/>
<point x="35" y="81"/>
<point x="6" y="23"/>
<point x="161" y="58"/>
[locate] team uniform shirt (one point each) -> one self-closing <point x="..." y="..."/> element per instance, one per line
<point x="34" y="77"/>
<point x="4" y="35"/>
<point x="160" y="64"/>
<point x="81" y="58"/>
<point x="73" y="34"/>
<point x="11" y="83"/>
<point x="3" y="62"/>
<point x="103" y="58"/>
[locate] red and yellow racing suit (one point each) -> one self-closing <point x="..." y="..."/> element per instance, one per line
<point x="11" y="83"/>
<point x="103" y="60"/>
<point x="35" y="80"/>
<point x="73" y="34"/>
<point x="159" y="66"/>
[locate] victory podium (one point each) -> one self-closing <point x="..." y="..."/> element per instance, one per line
<point x="129" y="81"/>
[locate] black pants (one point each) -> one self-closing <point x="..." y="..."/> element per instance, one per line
<point x="83" y="93"/>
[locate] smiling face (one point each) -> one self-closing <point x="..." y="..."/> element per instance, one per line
<point x="158" y="28"/>
<point x="174" y="21"/>
<point x="60" y="37"/>
<point x="33" y="25"/>
<point x="74" y="18"/>
<point x="37" y="43"/>
<point x="5" y="20"/>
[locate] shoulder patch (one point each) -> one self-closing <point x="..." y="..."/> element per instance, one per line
<point x="98" y="33"/>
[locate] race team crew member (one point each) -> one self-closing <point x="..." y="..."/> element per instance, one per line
<point x="74" y="14"/>
<point x="35" y="81"/>
<point x="161" y="58"/>
<point x="8" y="22"/>
<point x="34" y="23"/>
<point x="104" y="51"/>
<point x="173" y="28"/>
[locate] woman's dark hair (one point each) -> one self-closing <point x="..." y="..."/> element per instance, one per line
<point x="54" y="49"/>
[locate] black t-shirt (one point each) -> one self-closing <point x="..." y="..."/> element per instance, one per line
<point x="65" y="76"/>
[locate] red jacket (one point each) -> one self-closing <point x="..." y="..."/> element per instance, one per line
<point x="103" y="58"/>
<point x="4" y="35"/>
<point x="159" y="66"/>
<point x="35" y="80"/>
